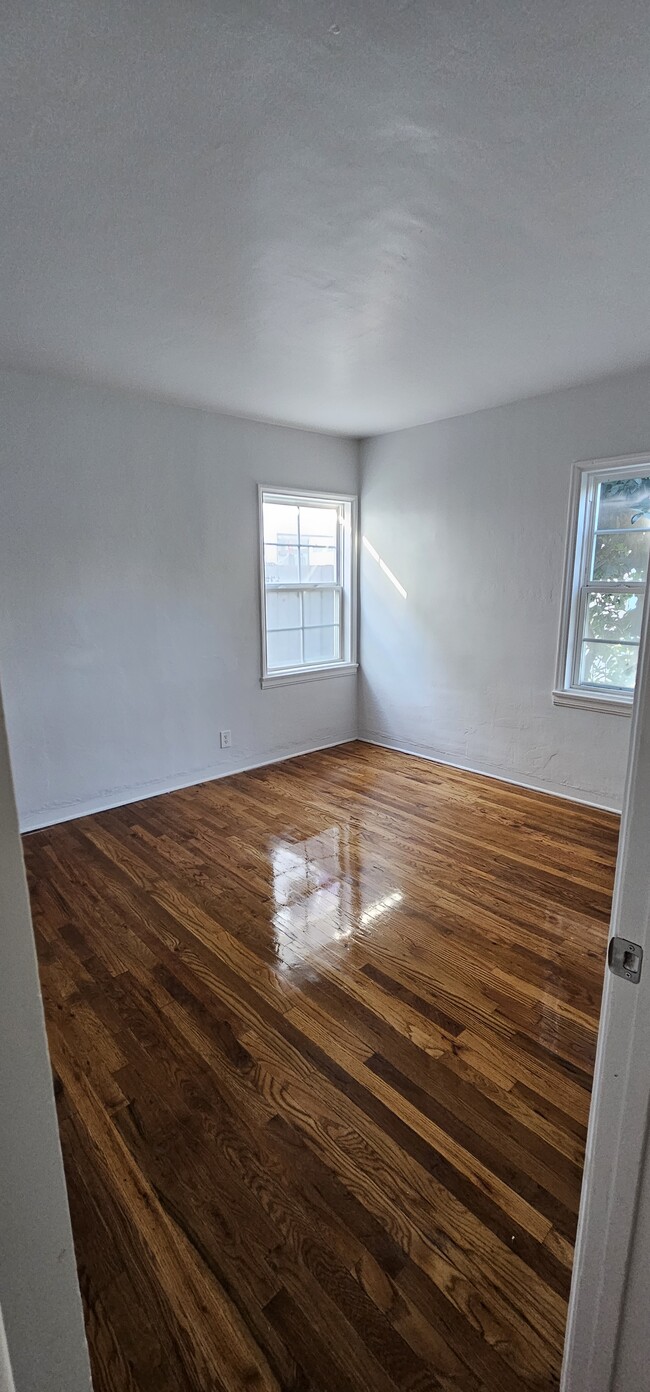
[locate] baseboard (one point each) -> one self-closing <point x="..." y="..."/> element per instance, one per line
<point x="43" y="817"/>
<point x="424" y="752"/>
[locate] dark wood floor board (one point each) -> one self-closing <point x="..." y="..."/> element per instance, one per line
<point x="103" y="1259"/>
<point x="556" y="1130"/>
<point x="449" y="1179"/>
<point x="548" y="1080"/>
<point x="384" y="1094"/>
<point x="413" y="1206"/>
<point x="455" y="933"/>
<point x="448" y="827"/>
<point x="441" y="988"/>
<point x="547" y="854"/>
<point x="323" y="1038"/>
<point x="435" y="979"/>
<point x="477" y="1353"/>
<point x="364" y="1344"/>
<point x="220" y="1217"/>
<point x="317" y="1353"/>
<point x="217" y="1346"/>
<point x="449" y="783"/>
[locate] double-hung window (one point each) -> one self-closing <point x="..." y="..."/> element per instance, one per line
<point x="308" y="574"/>
<point x="606" y="575"/>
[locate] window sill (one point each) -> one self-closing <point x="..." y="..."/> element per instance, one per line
<point x="306" y="674"/>
<point x="603" y="705"/>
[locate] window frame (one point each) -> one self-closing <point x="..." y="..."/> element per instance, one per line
<point x="586" y="475"/>
<point x="346" y="585"/>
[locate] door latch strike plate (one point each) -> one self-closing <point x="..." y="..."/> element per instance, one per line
<point x="625" y="959"/>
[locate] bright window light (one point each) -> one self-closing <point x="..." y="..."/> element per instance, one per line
<point x="308" y="574"/>
<point x="607" y="567"/>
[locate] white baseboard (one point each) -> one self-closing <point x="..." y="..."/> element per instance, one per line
<point x="43" y="817"/>
<point x="424" y="752"/>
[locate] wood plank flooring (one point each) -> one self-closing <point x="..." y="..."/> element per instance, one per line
<point x="323" y="1036"/>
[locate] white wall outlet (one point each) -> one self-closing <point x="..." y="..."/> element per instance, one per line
<point x="225" y="739"/>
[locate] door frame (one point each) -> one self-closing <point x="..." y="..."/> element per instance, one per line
<point x="617" y="1149"/>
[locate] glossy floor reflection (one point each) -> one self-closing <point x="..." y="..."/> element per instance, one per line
<point x="324" y="1034"/>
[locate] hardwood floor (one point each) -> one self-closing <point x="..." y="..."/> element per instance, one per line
<point x="323" y="1036"/>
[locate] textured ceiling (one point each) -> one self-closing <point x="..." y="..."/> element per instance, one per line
<point x="353" y="216"/>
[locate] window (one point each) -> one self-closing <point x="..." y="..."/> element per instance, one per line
<point x="308" y="570"/>
<point x="607" y="566"/>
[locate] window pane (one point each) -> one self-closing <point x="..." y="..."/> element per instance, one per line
<point x="320" y="607"/>
<point x="624" y="503"/>
<point x="319" y="524"/>
<point x="318" y="544"/>
<point x="608" y="664"/>
<point x="283" y="609"/>
<point x="615" y="617"/>
<point x="283" y="650"/>
<point x="318" y="564"/>
<point x="280" y="519"/>
<point x="622" y="556"/>
<point x="280" y="543"/>
<point x="322" y="644"/>
<point x="280" y="563"/>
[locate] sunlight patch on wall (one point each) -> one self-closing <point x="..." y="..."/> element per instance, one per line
<point x="382" y="566"/>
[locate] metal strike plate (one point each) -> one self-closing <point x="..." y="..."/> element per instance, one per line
<point x="625" y="959"/>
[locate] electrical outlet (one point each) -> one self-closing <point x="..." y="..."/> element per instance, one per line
<point x="225" y="739"/>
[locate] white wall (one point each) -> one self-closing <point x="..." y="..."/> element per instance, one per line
<point x="470" y="516"/>
<point x="129" y="606"/>
<point x="129" y="594"/>
<point x="39" y="1292"/>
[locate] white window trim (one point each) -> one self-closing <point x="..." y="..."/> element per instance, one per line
<point x="348" y="664"/>
<point x="566" y="692"/>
